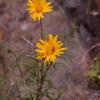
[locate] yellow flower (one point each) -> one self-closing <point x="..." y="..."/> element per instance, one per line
<point x="48" y="50"/>
<point x="37" y="8"/>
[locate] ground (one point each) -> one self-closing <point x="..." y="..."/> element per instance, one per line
<point x="16" y="26"/>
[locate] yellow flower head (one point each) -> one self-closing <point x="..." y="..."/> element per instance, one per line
<point x="48" y="50"/>
<point x="37" y="8"/>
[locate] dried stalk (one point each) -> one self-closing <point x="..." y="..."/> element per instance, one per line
<point x="22" y="76"/>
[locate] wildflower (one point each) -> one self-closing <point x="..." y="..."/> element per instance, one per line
<point x="48" y="50"/>
<point x="37" y="8"/>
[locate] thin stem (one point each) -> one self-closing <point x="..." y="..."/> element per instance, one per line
<point x="38" y="74"/>
<point x="42" y="82"/>
<point x="42" y="32"/>
<point x="21" y="73"/>
<point x="39" y="83"/>
<point x="42" y="69"/>
<point x="18" y="65"/>
<point x="18" y="90"/>
<point x="3" y="64"/>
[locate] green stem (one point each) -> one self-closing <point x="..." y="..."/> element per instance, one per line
<point x="42" y="33"/>
<point x="38" y="74"/>
<point x="39" y="90"/>
<point x="42" y="69"/>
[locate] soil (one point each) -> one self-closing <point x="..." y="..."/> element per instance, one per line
<point x="16" y="28"/>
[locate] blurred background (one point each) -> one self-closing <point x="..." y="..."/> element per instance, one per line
<point x="77" y="22"/>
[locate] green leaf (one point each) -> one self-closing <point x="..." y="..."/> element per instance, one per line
<point x="48" y="96"/>
<point x="92" y="73"/>
<point x="95" y="71"/>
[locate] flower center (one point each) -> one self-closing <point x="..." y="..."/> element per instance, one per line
<point x="39" y="8"/>
<point x="51" y="51"/>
